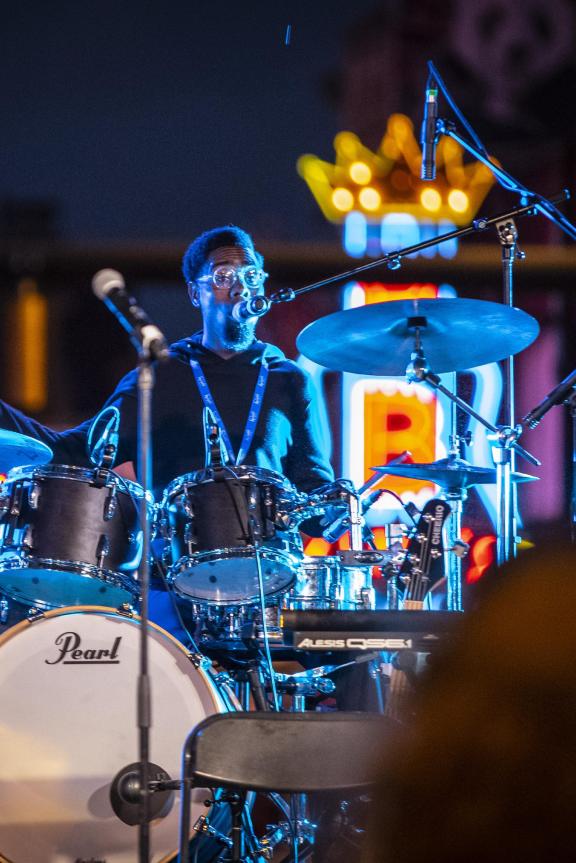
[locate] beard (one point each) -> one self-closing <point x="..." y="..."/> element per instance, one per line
<point x="237" y="335"/>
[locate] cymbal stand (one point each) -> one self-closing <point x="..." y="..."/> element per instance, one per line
<point x="505" y="440"/>
<point x="508" y="236"/>
<point x="456" y="549"/>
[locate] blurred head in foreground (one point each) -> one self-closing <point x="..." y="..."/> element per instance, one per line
<point x="487" y="772"/>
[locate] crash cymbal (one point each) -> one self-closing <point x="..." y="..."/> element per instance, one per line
<point x="456" y="334"/>
<point x="18" y="449"/>
<point x="450" y="473"/>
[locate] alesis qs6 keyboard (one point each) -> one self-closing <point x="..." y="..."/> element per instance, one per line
<point x="328" y="631"/>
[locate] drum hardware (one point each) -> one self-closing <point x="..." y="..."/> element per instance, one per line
<point x="304" y="684"/>
<point x="111" y="504"/>
<point x="125" y="793"/>
<point x="204" y="828"/>
<point x="126" y="610"/>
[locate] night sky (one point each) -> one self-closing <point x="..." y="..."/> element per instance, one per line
<point x="154" y="120"/>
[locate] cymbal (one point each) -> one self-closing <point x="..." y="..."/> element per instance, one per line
<point x="18" y="449"/>
<point x="450" y="473"/>
<point x="456" y="334"/>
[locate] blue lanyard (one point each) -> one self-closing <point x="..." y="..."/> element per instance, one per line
<point x="253" y="413"/>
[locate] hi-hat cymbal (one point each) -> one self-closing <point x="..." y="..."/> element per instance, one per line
<point x="456" y="334"/>
<point x="18" y="449"/>
<point x="450" y="473"/>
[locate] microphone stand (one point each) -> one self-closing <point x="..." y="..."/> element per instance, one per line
<point x="146" y="380"/>
<point x="563" y="393"/>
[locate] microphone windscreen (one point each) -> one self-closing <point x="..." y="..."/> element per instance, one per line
<point x="105" y="281"/>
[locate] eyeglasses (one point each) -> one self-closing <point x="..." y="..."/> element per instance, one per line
<point x="223" y="277"/>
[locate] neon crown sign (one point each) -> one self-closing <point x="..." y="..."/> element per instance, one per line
<point x="388" y="181"/>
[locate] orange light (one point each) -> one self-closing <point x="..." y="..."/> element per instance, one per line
<point x="482" y="556"/>
<point x="369" y="198"/>
<point x="343" y="199"/>
<point x="360" y="173"/>
<point x="317" y="547"/>
<point x="458" y="201"/>
<point x="431" y="200"/>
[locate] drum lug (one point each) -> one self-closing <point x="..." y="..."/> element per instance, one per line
<point x="126" y="610"/>
<point x="111" y="505"/>
<point x="367" y="598"/>
<point x="200" y="661"/>
<point x="102" y="551"/>
<point x="34" y="496"/>
<point x="190" y="537"/>
<point x="4" y="504"/>
<point x="16" y="502"/>
<point x="28" y="540"/>
<point x="4" y="610"/>
<point x="163" y="528"/>
<point x="34" y="614"/>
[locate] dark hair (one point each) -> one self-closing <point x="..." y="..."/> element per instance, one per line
<point x="198" y="251"/>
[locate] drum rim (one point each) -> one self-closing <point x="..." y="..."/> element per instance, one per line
<point x="269" y="554"/>
<point x="79" y="474"/>
<point x="205" y="476"/>
<point x="85" y="570"/>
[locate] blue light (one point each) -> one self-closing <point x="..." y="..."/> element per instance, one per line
<point x="355" y="235"/>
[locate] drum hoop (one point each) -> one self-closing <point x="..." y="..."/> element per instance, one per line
<point x="79" y="474"/>
<point x="206" y="672"/>
<point x="108" y="576"/>
<point x="243" y="471"/>
<point x="274" y="555"/>
<point x="321" y="560"/>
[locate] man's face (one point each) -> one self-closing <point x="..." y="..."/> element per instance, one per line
<point x="216" y="302"/>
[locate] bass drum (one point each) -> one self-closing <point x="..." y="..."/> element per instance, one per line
<point x="68" y="725"/>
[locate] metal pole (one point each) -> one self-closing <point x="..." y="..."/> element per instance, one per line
<point x="145" y="389"/>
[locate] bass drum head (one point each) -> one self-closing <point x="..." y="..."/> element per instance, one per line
<point x="68" y="725"/>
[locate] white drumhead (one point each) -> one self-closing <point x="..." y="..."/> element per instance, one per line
<point x="68" y="725"/>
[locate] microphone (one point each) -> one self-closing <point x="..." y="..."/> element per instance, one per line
<point x="214" y="456"/>
<point x="254" y="307"/>
<point x="555" y="397"/>
<point x="428" y="135"/>
<point x="104" y="453"/>
<point x="109" y="286"/>
<point x="340" y="525"/>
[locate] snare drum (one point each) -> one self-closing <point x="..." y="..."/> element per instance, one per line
<point x="211" y="518"/>
<point x="68" y="684"/>
<point x="68" y="537"/>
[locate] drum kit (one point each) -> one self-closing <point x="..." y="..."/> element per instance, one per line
<point x="228" y="545"/>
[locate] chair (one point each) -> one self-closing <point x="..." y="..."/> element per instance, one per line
<point x="282" y="752"/>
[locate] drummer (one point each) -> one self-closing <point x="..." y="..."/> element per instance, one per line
<point x="224" y="362"/>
